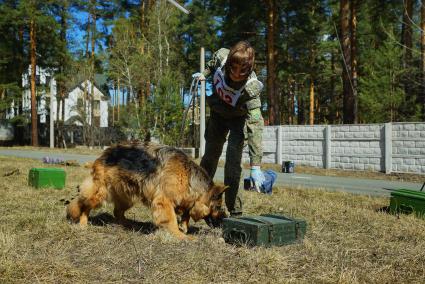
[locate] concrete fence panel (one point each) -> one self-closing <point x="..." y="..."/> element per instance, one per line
<point x="389" y="147"/>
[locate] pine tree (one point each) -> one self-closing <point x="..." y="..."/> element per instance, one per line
<point x="381" y="89"/>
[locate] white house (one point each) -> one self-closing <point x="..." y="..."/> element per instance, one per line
<point x="74" y="100"/>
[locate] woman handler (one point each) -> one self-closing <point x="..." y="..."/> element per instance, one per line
<point x="234" y="112"/>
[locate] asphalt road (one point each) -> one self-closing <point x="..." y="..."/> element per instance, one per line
<point x="353" y="185"/>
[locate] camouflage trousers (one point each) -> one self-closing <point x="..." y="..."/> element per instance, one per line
<point x="215" y="136"/>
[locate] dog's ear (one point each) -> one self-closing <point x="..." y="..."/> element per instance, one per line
<point x="218" y="191"/>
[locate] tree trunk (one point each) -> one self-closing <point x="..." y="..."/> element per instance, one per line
<point x="311" y="112"/>
<point x="64" y="28"/>
<point x="353" y="29"/>
<point x="92" y="73"/>
<point x="291" y="97"/>
<point x="407" y="23"/>
<point x="348" y="102"/>
<point x="114" y="94"/>
<point x="301" y="105"/>
<point x="333" y="107"/>
<point x="118" y="100"/>
<point x="408" y="110"/>
<point x="422" y="101"/>
<point x="271" y="66"/>
<point x="21" y="66"/>
<point x="34" y="130"/>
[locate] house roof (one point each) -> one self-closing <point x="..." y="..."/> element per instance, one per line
<point x="100" y="82"/>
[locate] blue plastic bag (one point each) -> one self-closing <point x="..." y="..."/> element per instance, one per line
<point x="268" y="183"/>
<point x="270" y="178"/>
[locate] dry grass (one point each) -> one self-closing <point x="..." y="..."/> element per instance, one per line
<point x="420" y="178"/>
<point x="347" y="241"/>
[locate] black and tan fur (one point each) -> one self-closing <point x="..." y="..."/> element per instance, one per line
<point x="163" y="178"/>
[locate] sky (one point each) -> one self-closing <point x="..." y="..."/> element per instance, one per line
<point x="77" y="45"/>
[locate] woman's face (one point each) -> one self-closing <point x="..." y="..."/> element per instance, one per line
<point x="237" y="73"/>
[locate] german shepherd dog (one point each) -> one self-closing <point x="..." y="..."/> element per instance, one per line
<point x="163" y="178"/>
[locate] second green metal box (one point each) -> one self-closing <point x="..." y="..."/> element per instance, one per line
<point x="263" y="230"/>
<point x="408" y="201"/>
<point x="47" y="177"/>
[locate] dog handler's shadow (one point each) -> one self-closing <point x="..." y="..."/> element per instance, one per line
<point x="103" y="219"/>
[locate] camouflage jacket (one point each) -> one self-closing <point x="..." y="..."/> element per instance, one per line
<point x="248" y="104"/>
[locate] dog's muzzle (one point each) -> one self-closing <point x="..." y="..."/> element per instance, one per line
<point x="215" y="222"/>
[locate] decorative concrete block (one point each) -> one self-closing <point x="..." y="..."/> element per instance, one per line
<point x="358" y="134"/>
<point x="345" y="159"/>
<point x="409" y="127"/>
<point x="415" y="169"/>
<point x="409" y="144"/>
<point x="408" y="161"/>
<point x="396" y="126"/>
<point x="364" y="144"/>
<point x="311" y="135"/>
<point x="339" y="134"/>
<point x="414" y="134"/>
<point x="414" y="151"/>
<point x="397" y="161"/>
<point x="404" y="168"/>
<point x="404" y="134"/>
<point x="348" y="135"/>
<point x="269" y="146"/>
<point x="403" y="151"/>
<point x="347" y="166"/>
<point x="375" y="144"/>
<point x="420" y="126"/>
<point x="420" y="144"/>
<point x="336" y="159"/>
<point x="369" y="134"/>
<point x="359" y="167"/>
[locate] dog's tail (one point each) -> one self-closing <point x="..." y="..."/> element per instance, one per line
<point x="91" y="196"/>
<point x="73" y="210"/>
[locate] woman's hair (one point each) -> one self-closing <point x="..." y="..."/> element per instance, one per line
<point x="241" y="53"/>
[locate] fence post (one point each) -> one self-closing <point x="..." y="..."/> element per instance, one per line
<point x="279" y="146"/>
<point x="388" y="145"/>
<point x="328" y="147"/>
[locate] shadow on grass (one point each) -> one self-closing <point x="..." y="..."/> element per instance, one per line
<point x="104" y="219"/>
<point x="384" y="209"/>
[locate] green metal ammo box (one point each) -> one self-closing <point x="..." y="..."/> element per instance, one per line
<point x="47" y="177"/>
<point x="263" y="230"/>
<point x="408" y="201"/>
